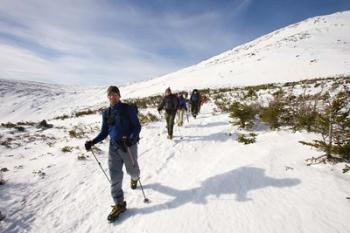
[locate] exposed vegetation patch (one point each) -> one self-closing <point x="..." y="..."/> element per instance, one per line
<point x="243" y="114"/>
<point x="39" y="173"/>
<point x="247" y="138"/>
<point x="67" y="149"/>
<point x="81" y="157"/>
<point x="319" y="105"/>
<point x="147" y="118"/>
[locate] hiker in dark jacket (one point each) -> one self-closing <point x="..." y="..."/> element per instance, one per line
<point x="182" y="108"/>
<point x="195" y="102"/>
<point x="169" y="104"/>
<point x="121" y="124"/>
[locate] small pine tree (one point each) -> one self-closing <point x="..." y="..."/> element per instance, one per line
<point x="247" y="139"/>
<point x="275" y="114"/>
<point x="305" y="112"/>
<point x="278" y="95"/>
<point x="305" y="119"/>
<point x="333" y="123"/>
<point x="251" y="94"/>
<point x="245" y="114"/>
<point x="221" y="102"/>
<point x="272" y="115"/>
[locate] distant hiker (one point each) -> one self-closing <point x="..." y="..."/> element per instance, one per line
<point x="170" y="104"/>
<point x="188" y="104"/>
<point x="201" y="102"/>
<point x="195" y="102"/>
<point x="2" y="181"/>
<point x="181" y="109"/>
<point x="2" y="217"/>
<point x="121" y="123"/>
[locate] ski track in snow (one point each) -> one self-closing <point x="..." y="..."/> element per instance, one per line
<point x="204" y="182"/>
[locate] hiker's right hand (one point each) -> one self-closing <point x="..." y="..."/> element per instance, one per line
<point x="88" y="145"/>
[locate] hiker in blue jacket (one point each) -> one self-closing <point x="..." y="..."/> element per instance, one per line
<point x="195" y="102"/>
<point x="181" y="109"/>
<point x="121" y="124"/>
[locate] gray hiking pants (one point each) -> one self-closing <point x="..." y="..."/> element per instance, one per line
<point x="117" y="157"/>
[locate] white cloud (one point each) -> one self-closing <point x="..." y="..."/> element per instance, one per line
<point x="93" y="42"/>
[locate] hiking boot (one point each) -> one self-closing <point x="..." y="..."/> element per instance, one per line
<point x="133" y="183"/>
<point x="170" y="137"/>
<point x="116" y="211"/>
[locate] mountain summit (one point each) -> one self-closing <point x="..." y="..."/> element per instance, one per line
<point x="314" y="48"/>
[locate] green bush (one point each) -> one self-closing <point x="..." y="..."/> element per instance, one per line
<point x="247" y="139"/>
<point x="76" y="133"/>
<point x="333" y="123"/>
<point x="221" y="102"/>
<point x="251" y="94"/>
<point x="149" y="117"/>
<point x="67" y="149"/>
<point x="63" y="117"/>
<point x="243" y="115"/>
<point x="272" y="115"/>
<point x="85" y="112"/>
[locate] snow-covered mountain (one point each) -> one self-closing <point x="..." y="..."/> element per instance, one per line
<point x="314" y="48"/>
<point x="34" y="101"/>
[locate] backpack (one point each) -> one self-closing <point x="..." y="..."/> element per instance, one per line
<point x="195" y="98"/>
<point x="202" y="99"/>
<point x="124" y="113"/>
<point x="170" y="102"/>
<point x="182" y="103"/>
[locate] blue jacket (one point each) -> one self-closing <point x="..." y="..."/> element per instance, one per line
<point x="182" y="103"/>
<point x="195" y="98"/>
<point x="118" y="121"/>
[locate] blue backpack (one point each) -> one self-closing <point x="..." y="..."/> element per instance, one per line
<point x="124" y="113"/>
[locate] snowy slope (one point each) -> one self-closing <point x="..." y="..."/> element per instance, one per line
<point x="34" y="101"/>
<point x="202" y="181"/>
<point x="316" y="47"/>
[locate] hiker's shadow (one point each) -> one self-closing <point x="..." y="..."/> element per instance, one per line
<point x="238" y="182"/>
<point x="15" y="218"/>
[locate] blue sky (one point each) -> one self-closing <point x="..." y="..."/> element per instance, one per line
<point x="115" y="42"/>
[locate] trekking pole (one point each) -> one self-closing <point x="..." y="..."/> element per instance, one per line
<point x="145" y="200"/>
<point x="100" y="166"/>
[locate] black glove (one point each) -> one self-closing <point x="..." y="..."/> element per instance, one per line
<point x="88" y="145"/>
<point x="127" y="142"/>
<point x="123" y="146"/>
<point x="130" y="141"/>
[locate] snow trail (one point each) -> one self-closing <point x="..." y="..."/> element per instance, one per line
<point x="204" y="182"/>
